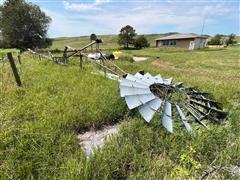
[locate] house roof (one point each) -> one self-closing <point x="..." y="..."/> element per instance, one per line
<point x="181" y="36"/>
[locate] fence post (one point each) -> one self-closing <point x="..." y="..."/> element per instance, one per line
<point x="14" y="69"/>
<point x="19" y="59"/>
<point x="81" y="61"/>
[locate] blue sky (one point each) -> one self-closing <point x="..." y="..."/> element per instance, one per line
<point x="83" y="17"/>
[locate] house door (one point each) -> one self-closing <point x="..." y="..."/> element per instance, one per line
<point x="191" y="45"/>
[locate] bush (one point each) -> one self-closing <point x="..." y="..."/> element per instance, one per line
<point x="216" y="40"/>
<point x="141" y="42"/>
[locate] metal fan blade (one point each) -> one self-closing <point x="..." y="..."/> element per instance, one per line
<point x="138" y="80"/>
<point x="147" y="112"/>
<point x="178" y="84"/>
<point x="167" y="81"/>
<point x="158" y="79"/>
<point x="137" y="100"/>
<point x="183" y="118"/>
<point x="129" y="83"/>
<point x="194" y="113"/>
<point x="148" y="78"/>
<point x="148" y="75"/>
<point x="155" y="104"/>
<point x="127" y="91"/>
<point x="138" y="75"/>
<point x="167" y="117"/>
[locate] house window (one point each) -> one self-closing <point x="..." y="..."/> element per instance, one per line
<point x="172" y="42"/>
<point x="165" y="43"/>
<point x="169" y="43"/>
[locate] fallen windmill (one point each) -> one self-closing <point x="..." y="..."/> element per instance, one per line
<point x="154" y="94"/>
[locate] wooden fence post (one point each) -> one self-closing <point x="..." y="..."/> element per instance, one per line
<point x="81" y="61"/>
<point x="19" y="59"/>
<point x="14" y="69"/>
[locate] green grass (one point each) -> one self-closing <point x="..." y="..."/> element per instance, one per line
<point x="39" y="121"/>
<point x="3" y="52"/>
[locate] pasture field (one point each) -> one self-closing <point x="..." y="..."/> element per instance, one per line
<point x="39" y="122"/>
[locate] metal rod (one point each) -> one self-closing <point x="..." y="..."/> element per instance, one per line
<point x="112" y="63"/>
<point x="195" y="116"/>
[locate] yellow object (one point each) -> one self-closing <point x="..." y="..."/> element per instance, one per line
<point x="117" y="54"/>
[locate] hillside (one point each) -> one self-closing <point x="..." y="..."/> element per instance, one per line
<point x="110" y="41"/>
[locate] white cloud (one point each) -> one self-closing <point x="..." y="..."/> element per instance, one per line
<point x="144" y="18"/>
<point x="1" y="2"/>
<point x="84" y="6"/>
<point x="141" y="8"/>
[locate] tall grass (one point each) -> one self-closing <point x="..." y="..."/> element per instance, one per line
<point x="3" y="52"/>
<point x="39" y="121"/>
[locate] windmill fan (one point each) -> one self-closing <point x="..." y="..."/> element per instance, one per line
<point x="153" y="94"/>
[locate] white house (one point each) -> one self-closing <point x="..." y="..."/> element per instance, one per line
<point x="183" y="40"/>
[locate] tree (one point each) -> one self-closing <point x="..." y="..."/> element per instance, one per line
<point x="23" y="25"/>
<point x="141" y="42"/>
<point x="216" y="40"/>
<point x="230" y="39"/>
<point x="126" y="36"/>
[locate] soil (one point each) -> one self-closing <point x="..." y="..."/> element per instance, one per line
<point x="96" y="138"/>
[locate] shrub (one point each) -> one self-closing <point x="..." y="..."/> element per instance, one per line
<point x="141" y="42"/>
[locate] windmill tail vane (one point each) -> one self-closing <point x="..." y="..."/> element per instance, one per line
<point x="175" y="102"/>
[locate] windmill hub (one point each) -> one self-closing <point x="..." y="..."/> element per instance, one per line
<point x="161" y="90"/>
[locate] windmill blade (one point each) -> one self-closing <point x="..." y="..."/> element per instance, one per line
<point x="146" y="98"/>
<point x="193" y="113"/>
<point x="148" y="78"/>
<point x="155" y="104"/>
<point x="167" y="117"/>
<point x="136" y="79"/>
<point x="138" y="75"/>
<point x="137" y="100"/>
<point x="126" y="91"/>
<point x="148" y="75"/>
<point x="129" y="83"/>
<point x="178" y="84"/>
<point x="158" y="79"/>
<point x="132" y="102"/>
<point x="147" y="112"/>
<point x="206" y="100"/>
<point x="183" y="118"/>
<point x="168" y="81"/>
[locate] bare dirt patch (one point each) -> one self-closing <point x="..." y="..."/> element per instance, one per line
<point x="96" y="138"/>
<point x="137" y="59"/>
